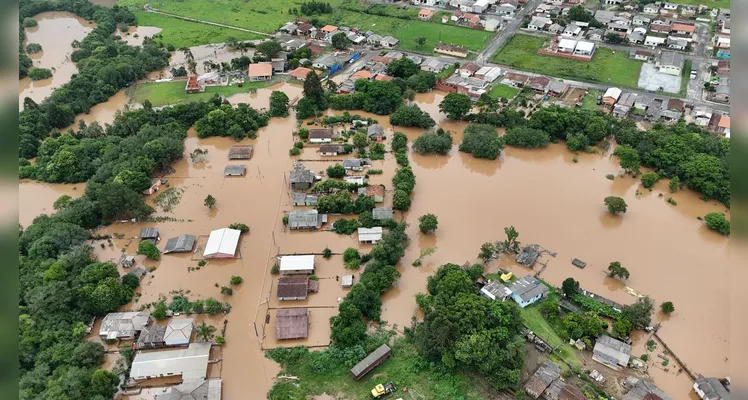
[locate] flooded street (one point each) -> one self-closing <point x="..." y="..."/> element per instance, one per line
<point x="551" y="200"/>
<point x="55" y="33"/>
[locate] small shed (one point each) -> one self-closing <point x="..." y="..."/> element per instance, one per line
<point x="127" y="261"/>
<point x="291" y="323"/>
<point x="222" y="243"/>
<point x="290" y="265"/>
<point x="235" y="170"/>
<point x="138" y="272"/>
<point x="149" y="234"/>
<point x="293" y="288"/>
<point x="347" y="281"/>
<point x="372" y="360"/>
<point x="179" y="244"/>
<point x="240" y="152"/>
<point x="179" y="331"/>
<point x="370" y="235"/>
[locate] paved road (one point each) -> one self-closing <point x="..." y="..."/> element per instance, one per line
<point x="148" y="8"/>
<point x="508" y="31"/>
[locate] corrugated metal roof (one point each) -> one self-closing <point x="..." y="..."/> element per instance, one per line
<point x="370" y="234"/>
<point x="149" y="233"/>
<point x="292" y="323"/>
<point x="179" y="244"/>
<point x="191" y="363"/>
<point x="222" y="242"/>
<point x="235" y="170"/>
<point x="370" y="359"/>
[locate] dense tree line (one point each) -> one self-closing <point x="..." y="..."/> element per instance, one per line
<point x="412" y="116"/>
<point x="523" y="136"/>
<point x="105" y="65"/>
<point x="238" y="123"/>
<point x="465" y="331"/>
<point x="506" y="118"/>
<point x="439" y="142"/>
<point x="482" y="141"/>
<point x="378" y="97"/>
<point x="342" y="203"/>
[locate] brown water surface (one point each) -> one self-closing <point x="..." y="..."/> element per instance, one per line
<point x="56" y="32"/>
<point x="551" y="201"/>
<point x="37" y="198"/>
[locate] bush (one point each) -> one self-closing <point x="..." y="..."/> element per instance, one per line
<point x="130" y="281"/>
<point x="275" y="270"/>
<point x="428" y="223"/>
<point x="616" y="205"/>
<point x="159" y="310"/>
<point x="401" y="200"/>
<point x="304" y="133"/>
<point x="345" y="226"/>
<point x="667" y="307"/>
<point x="399" y="142"/>
<point x="374" y="172"/>
<point x="649" y="179"/>
<point x="439" y="142"/>
<point x="644" y="357"/>
<point x="717" y="222"/>
<point x="336" y="171"/>
<point x="220" y="340"/>
<point x="482" y="141"/>
<point x="236" y="280"/>
<point x="402" y="158"/>
<point x="149" y="250"/>
<point x="37" y="74"/>
<point x="213" y="306"/>
<point x="326" y="253"/>
<point x="29" y="22"/>
<point x="351" y="254"/>
<point x="674" y="184"/>
<point x="201" y="263"/>
<point x="33" y="48"/>
<point x="523" y="136"/>
<point x="239" y="226"/>
<point x="294" y="151"/>
<point x="227" y="290"/>
<point x="610" y="176"/>
<point x="285" y="220"/>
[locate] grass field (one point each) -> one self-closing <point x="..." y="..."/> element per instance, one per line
<point x="405" y="368"/>
<point x="167" y="93"/>
<point x="606" y="68"/>
<point x="589" y="101"/>
<point x="504" y="91"/>
<point x="269" y="17"/>
<point x="186" y="34"/>
<point x="708" y="3"/>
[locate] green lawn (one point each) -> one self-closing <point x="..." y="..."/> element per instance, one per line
<point x="182" y="33"/>
<point x="708" y="3"/>
<point x="589" y="101"/>
<point x="408" y="30"/>
<point x="405" y="368"/>
<point x="685" y="78"/>
<point x="167" y="93"/>
<point x="606" y="68"/>
<point x="504" y="91"/>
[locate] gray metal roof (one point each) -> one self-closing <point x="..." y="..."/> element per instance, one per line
<point x="149" y="233"/>
<point x="644" y="388"/>
<point x="527" y="287"/>
<point x="235" y="170"/>
<point x="151" y="335"/>
<point x="496" y="289"/>
<point x="380" y="213"/>
<point x="192" y="390"/>
<point x="179" y="244"/>
<point x="191" y="363"/>
<point x="672" y="58"/>
<point x="375" y="131"/>
<point x="542" y="378"/>
<point x="370" y="359"/>
<point x="305" y="219"/>
<point x="613" y="348"/>
<point x="138" y="272"/>
<point x="301" y="175"/>
<point x="713" y="389"/>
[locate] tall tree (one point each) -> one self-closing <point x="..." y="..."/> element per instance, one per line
<point x="616" y="205"/>
<point x="455" y="105"/>
<point x="313" y="88"/>
<point x="204" y="332"/>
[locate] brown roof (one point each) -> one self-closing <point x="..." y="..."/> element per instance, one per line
<point x="643" y="53"/>
<point x="724" y="122"/>
<point x="293" y="287"/>
<point x="300" y="73"/>
<point x="320" y="133"/>
<point x="516" y="77"/>
<point x="240" y="151"/>
<point x="683" y="27"/>
<point x="449" y="47"/>
<point x="375" y="190"/>
<point x="382" y="59"/>
<point x="382" y="77"/>
<point x="675" y="104"/>
<point x="470" y="66"/>
<point x="660" y="28"/>
<point x="329" y="28"/>
<point x="329" y="148"/>
<point x="539" y="81"/>
<point x="260" y="69"/>
<point x="425" y="12"/>
<point x="192" y="83"/>
<point x="362" y="74"/>
<point x="472" y="18"/>
<point x="304" y="28"/>
<point x="723" y="64"/>
<point x="291" y="323"/>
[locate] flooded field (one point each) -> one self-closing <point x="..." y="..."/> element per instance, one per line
<point x="37" y="198"/>
<point x="548" y="198"/>
<point x="56" y="32"/>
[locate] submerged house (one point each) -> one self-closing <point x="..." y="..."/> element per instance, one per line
<point x="382" y="213"/>
<point x="291" y="323"/>
<point x="495" y="290"/>
<point x="180" y="244"/>
<point x="305" y="219"/>
<point x="301" y="178"/>
<point x="222" y="243"/>
<point x="294" y="265"/>
<point x="295" y="287"/>
<point x="123" y="325"/>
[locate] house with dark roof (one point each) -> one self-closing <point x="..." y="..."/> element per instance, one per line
<point x="301" y="178"/>
<point x="295" y="287"/>
<point x="150" y="234"/>
<point x="374" y="191"/>
<point x="193" y="389"/>
<point x="495" y="290"/>
<point x="644" y="390"/>
<point x="240" y="152"/>
<point x="304" y="199"/>
<point x="305" y="219"/>
<point x="331" y="149"/>
<point x="320" y="135"/>
<point x="711" y="389"/>
<point x="123" y="325"/>
<point x="612" y="353"/>
<point x="527" y="290"/>
<point x="560" y="390"/>
<point x="375" y="132"/>
<point x="180" y="244"/>
<point x="539" y="84"/>
<point x="291" y="323"/>
<point x="356" y="164"/>
<point x="542" y="378"/>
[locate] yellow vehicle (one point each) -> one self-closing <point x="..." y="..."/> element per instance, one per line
<point x="383" y="390"/>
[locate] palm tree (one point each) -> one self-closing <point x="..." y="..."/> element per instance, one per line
<point x="205" y="332"/>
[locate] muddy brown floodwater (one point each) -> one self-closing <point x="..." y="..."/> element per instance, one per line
<point x="548" y="198"/>
<point x="56" y="32"/>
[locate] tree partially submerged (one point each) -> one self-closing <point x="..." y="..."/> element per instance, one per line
<point x="482" y="141"/>
<point x="615" y="205"/>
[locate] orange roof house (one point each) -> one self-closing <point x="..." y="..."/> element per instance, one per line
<point x="362" y="74"/>
<point x="300" y="73"/>
<point x="260" y="71"/>
<point x="382" y="77"/>
<point x="329" y="28"/>
<point x="678" y="27"/>
<point x="193" y="86"/>
<point x="724" y="122"/>
<point x="425" y="14"/>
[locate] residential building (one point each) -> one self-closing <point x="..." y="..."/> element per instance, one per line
<point x="496" y="290"/>
<point x="488" y="74"/>
<point x="675" y="105"/>
<point x="652" y="8"/>
<point x="642" y="102"/>
<point x="465" y="5"/>
<point x="296" y="265"/>
<point x="683" y="28"/>
<point x="612" y="2"/>
<point x="305" y="29"/>
<point x="325" y="61"/>
<point x="304" y="199"/>
<point x="433" y="65"/>
<point x="320" y="135"/>
<point x="373" y="39"/>
<point x="279" y="62"/>
<point x="641" y="20"/>
<point x="222" y="243"/>
<point x="612" y="353"/>
<point x="572" y="31"/>
<point x="240" y="152"/>
<point x="539" y="23"/>
<point x="492" y="24"/>
<point x="355" y="179"/>
<point x="481" y="6"/>
<point x="382" y="213"/>
<point x="123" y="325"/>
<point x="636" y="37"/>
<point x="356" y="164"/>
<point x="374" y="191"/>
<point x="506" y="9"/>
<point x="291" y="323"/>
<point x="389" y="42"/>
<point x="721" y="41"/>
<point x="193" y="85"/>
<point x="289" y="28"/>
<point x="516" y="80"/>
<point x="720" y="124"/>
<point x="375" y="132"/>
<point x="292" y="288"/>
<point x="670" y="6"/>
<point x="468" y="69"/>
<point x="676" y="43"/>
<point x="260" y="71"/>
<point x="604" y="16"/>
<point x="209" y="389"/>
<point x="305" y="219"/>
<point x="235" y="170"/>
<point x="451" y="50"/>
<point x="584" y="48"/>
<point x="595" y="34"/>
<point x="301" y="178"/>
<point x="542" y="378"/>
<point x="670" y="63"/>
<point x="561" y="390"/>
<point x="654" y="41"/>
<point x="624" y="104"/>
<point x="370" y="235"/>
<point x="191" y="363"/>
<point x="641" y="55"/>
<point x="527" y="290"/>
<point x="179" y="331"/>
<point x="558" y="88"/>
<point x="331" y="149"/>
<point x="300" y="73"/>
<point x="180" y="244"/>
<point x="644" y="390"/>
<point x="149" y="234"/>
<point x="294" y="44"/>
<point x="711" y="389"/>
<point x="611" y="96"/>
<point x="721" y="92"/>
<point x="329" y="31"/>
<point x="539" y="84"/>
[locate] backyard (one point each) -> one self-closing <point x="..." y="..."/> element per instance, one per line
<point x="606" y="67"/>
<point x="182" y="33"/>
<point x="503" y="91"/>
<point x="166" y="93"/>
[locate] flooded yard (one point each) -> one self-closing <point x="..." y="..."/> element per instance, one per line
<point x="551" y="200"/>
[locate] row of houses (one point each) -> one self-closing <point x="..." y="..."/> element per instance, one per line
<point x="301" y="27"/>
<point x="376" y="70"/>
<point x="470" y="79"/>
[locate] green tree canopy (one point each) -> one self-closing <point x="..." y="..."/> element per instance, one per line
<point x="482" y="141"/>
<point x="717" y="222"/>
<point x="455" y="105"/>
<point x="616" y="205"/>
<point x="428" y="223"/>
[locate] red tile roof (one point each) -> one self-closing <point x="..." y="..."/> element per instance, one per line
<point x="260" y="69"/>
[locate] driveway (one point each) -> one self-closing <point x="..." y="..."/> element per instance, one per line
<point x="651" y="79"/>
